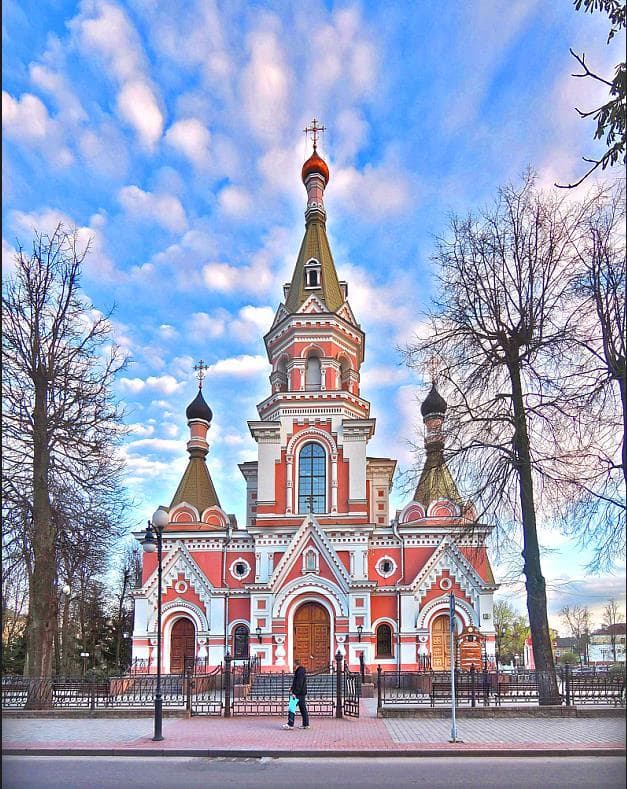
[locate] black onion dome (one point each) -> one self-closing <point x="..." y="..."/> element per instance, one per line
<point x="198" y="409"/>
<point x="434" y="403"/>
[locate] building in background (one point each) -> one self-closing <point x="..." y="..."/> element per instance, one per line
<point x="321" y="565"/>
<point x="607" y="645"/>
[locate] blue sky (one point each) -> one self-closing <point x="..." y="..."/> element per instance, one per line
<point x="170" y="134"/>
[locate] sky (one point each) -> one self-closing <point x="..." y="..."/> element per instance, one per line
<point x="170" y="134"/>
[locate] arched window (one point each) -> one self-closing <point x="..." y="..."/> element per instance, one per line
<point x="240" y="642"/>
<point x="344" y="374"/>
<point x="313" y="376"/>
<point x="384" y="641"/>
<point x="312" y="478"/>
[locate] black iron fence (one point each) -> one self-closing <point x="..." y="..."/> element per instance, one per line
<point x="474" y="688"/>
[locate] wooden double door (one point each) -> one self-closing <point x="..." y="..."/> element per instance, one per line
<point x="441" y="643"/>
<point x="312" y="636"/>
<point x="182" y="644"/>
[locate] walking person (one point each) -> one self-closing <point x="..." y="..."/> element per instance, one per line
<point x="298" y="691"/>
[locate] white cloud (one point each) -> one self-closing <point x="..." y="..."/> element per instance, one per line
<point x="97" y="263"/>
<point x="166" y="384"/>
<point x="139" y="429"/>
<point x="170" y="429"/>
<point x="104" y="29"/>
<point x="201" y="325"/>
<point x="138" y="105"/>
<point x="192" y="139"/>
<point x="55" y="83"/>
<point x="265" y="86"/>
<point x="382" y="376"/>
<point x="27" y="122"/>
<point x="235" y="201"/>
<point x="372" y="193"/>
<point x="165" y="209"/>
<point x="244" y="366"/>
<point x="8" y="257"/>
<point x="251" y="323"/>
<point x="167" y="331"/>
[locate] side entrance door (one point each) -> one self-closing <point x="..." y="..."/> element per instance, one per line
<point x="440" y="644"/>
<point x="182" y="644"/>
<point x="312" y="636"/>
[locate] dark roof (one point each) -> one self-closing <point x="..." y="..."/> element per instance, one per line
<point x="565" y="643"/>
<point x="198" y="409"/>
<point x="434" y="403"/>
<point x="619" y="629"/>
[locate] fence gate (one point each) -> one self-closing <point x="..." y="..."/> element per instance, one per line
<point x="351" y="693"/>
<point x="204" y="692"/>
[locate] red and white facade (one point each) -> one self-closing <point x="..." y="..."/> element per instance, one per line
<point x="321" y="565"/>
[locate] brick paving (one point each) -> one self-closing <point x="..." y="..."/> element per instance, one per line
<point x="368" y="734"/>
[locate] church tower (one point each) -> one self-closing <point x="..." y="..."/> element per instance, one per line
<point x="314" y="426"/>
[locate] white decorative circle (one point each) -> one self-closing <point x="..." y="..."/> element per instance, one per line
<point x="180" y="587"/>
<point x="445" y="584"/>
<point x="386" y="566"/>
<point x="240" y="569"/>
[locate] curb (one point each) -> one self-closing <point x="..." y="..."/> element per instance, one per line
<point x="283" y="754"/>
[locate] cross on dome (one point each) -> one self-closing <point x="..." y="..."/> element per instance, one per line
<point x="200" y="368"/>
<point x="314" y="129"/>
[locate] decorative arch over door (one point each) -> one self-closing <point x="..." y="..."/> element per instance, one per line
<point x="182" y="644"/>
<point x="312" y="636"/>
<point x="441" y="643"/>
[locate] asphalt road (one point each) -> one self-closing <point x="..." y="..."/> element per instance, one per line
<point x="32" y="772"/>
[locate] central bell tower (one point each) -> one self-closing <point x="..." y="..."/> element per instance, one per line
<point x="314" y="426"/>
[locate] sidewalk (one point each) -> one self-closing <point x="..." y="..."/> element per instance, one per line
<point x="365" y="736"/>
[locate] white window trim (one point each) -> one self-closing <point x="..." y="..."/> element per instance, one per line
<point x="380" y="562"/>
<point x="235" y="575"/>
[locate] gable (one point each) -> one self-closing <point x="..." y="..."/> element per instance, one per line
<point x="310" y="537"/>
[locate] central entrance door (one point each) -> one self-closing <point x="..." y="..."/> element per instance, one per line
<point x="312" y="636"/>
<point x="182" y="644"/>
<point x="441" y="643"/>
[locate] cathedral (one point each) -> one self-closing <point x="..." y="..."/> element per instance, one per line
<point x="321" y="565"/>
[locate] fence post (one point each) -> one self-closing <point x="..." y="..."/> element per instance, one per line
<point x="92" y="696"/>
<point x="486" y="685"/>
<point x="567" y="680"/>
<point x="379" y="696"/>
<point x="338" y="685"/>
<point x="227" y="685"/>
<point x="472" y="685"/>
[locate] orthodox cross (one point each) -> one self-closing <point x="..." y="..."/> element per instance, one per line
<point x="201" y="367"/>
<point x="314" y="129"/>
<point x="433" y="368"/>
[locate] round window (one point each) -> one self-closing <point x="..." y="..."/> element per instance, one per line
<point x="386" y="566"/>
<point x="240" y="569"/>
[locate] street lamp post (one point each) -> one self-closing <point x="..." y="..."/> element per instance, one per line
<point x="153" y="540"/>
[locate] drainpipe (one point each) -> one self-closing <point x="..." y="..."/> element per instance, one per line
<point x="226" y="593"/>
<point x="401" y="580"/>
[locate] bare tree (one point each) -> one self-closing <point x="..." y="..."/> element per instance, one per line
<point x="577" y="620"/>
<point x="611" y="618"/>
<point x="597" y="477"/>
<point x="60" y="421"/>
<point x="499" y="330"/>
<point x="610" y="116"/>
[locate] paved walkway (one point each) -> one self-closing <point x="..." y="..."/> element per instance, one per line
<point x="367" y="735"/>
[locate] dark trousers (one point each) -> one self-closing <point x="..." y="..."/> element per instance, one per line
<point x="302" y="706"/>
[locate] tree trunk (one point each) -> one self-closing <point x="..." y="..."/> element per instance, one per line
<point x="534" y="583"/>
<point x="42" y="594"/>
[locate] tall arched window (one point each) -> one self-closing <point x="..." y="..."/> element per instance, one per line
<point x="240" y="642"/>
<point x="313" y="375"/>
<point x="384" y="641"/>
<point x="312" y="478"/>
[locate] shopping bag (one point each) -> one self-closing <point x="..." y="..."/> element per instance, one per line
<point x="292" y="704"/>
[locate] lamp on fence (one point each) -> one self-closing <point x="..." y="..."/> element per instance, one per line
<point x="258" y="631"/>
<point x="153" y="541"/>
<point x="360" y="630"/>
